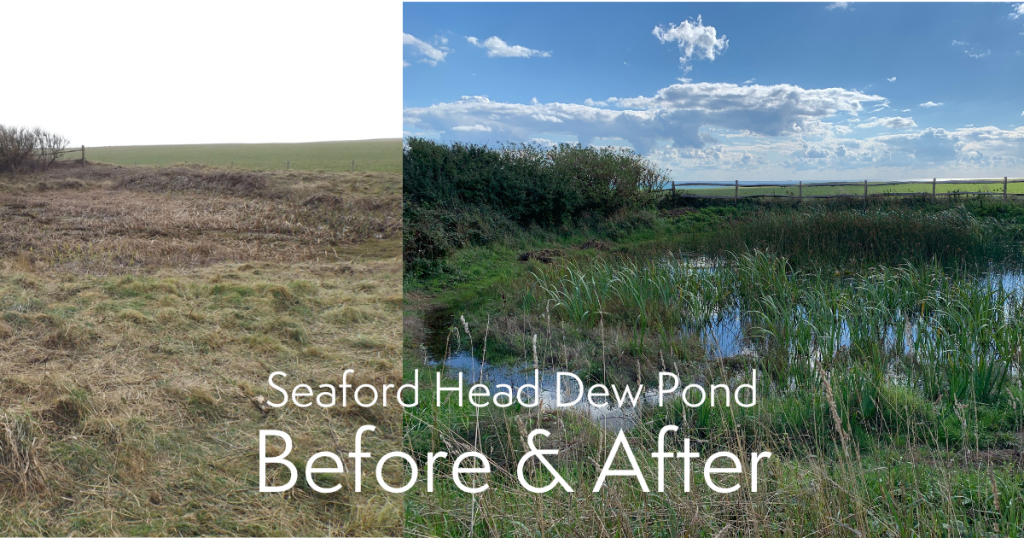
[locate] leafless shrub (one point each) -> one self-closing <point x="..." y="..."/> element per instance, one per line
<point x="16" y="145"/>
<point x="49" y="147"/>
<point x="29" y="149"/>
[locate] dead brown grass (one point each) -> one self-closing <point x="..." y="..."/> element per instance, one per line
<point x="152" y="218"/>
<point x="138" y="321"/>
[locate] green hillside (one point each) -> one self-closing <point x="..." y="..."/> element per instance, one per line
<point x="873" y="188"/>
<point x="381" y="155"/>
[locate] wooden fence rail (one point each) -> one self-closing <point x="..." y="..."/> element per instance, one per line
<point x="64" y="153"/>
<point x="81" y="152"/>
<point x="1005" y="182"/>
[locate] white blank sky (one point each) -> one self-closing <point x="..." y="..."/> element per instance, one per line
<point x="130" y="73"/>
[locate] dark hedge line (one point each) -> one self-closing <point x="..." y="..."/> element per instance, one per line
<point x="457" y="194"/>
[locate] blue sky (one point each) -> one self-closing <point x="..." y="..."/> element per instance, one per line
<point x="723" y="91"/>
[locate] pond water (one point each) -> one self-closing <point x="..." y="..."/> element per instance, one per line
<point x="610" y="417"/>
<point x="727" y="335"/>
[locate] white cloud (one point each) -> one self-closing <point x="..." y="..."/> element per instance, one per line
<point x="693" y="39"/>
<point x="1017" y="12"/>
<point x="966" y="147"/>
<point x="895" y="122"/>
<point x="712" y="130"/>
<point x="880" y="106"/>
<point x="972" y="144"/>
<point x="676" y="113"/>
<point x="710" y="158"/>
<point x="431" y="53"/>
<point x="497" y="48"/>
<point x="547" y="117"/>
<point x="985" y="150"/>
<point x="891" y="79"/>
<point x="748" y="81"/>
<point x="970" y="52"/>
<point x="542" y="142"/>
<point x="837" y="5"/>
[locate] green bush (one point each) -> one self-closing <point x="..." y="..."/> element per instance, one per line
<point x="457" y="195"/>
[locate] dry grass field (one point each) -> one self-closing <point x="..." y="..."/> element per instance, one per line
<point x="141" y="310"/>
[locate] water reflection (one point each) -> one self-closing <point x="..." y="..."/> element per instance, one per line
<point x="727" y="333"/>
<point x="611" y="417"/>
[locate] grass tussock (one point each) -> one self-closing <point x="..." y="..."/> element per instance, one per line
<point x="19" y="447"/>
<point x="233" y="182"/>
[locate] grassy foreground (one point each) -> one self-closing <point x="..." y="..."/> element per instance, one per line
<point x="141" y="310"/>
<point x="384" y="155"/>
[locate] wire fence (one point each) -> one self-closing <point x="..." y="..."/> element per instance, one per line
<point x="678" y="189"/>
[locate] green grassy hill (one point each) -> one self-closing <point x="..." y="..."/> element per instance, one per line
<point x="873" y="188"/>
<point x="380" y="155"/>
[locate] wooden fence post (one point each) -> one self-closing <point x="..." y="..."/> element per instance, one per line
<point x="83" y="154"/>
<point x="353" y="165"/>
<point x="800" y="193"/>
<point x="287" y="165"/>
<point x="865" y="192"/>
<point x="736" y="196"/>
<point x="673" y="187"/>
<point x="933" y="189"/>
<point x="1004" y="188"/>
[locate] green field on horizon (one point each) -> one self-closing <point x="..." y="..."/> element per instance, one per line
<point x="874" y="188"/>
<point x="380" y="155"/>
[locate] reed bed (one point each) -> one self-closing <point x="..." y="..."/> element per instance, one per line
<point x="939" y="331"/>
<point x="824" y="235"/>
